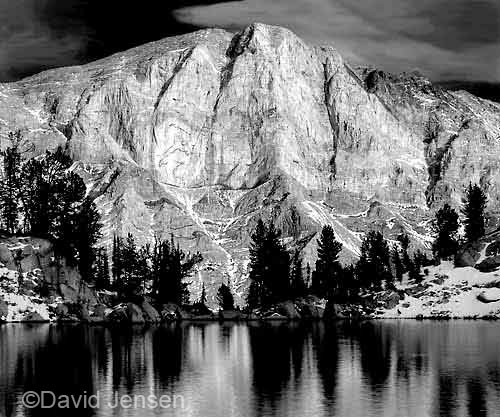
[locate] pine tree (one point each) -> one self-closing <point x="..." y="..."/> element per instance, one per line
<point x="373" y="267"/>
<point x="203" y="296"/>
<point x="404" y="241"/>
<point x="101" y="270"/>
<point x="257" y="291"/>
<point x="277" y="267"/>
<point x="269" y="268"/>
<point x="170" y="267"/>
<point x="225" y="297"/>
<point x="298" y="286"/>
<point x="416" y="265"/>
<point x="350" y="283"/>
<point x="473" y="210"/>
<point x="10" y="184"/>
<point x="86" y="234"/>
<point x="328" y="269"/>
<point x="397" y="263"/>
<point x="116" y="257"/>
<point x="445" y="228"/>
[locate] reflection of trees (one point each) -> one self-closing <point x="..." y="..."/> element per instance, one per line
<point x="168" y="348"/>
<point x="462" y="373"/>
<point x="446" y="396"/>
<point x="271" y="358"/>
<point x="63" y="365"/>
<point x="226" y="329"/>
<point x="127" y="347"/>
<point x="375" y="346"/>
<point x="325" y="340"/>
<point x="274" y="352"/>
<point x="476" y="404"/>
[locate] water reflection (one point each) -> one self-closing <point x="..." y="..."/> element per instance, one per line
<point x="311" y="369"/>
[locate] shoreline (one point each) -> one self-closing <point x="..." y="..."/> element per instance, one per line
<point x="103" y="323"/>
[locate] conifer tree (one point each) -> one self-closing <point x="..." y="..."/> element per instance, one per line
<point x="171" y="266"/>
<point x="258" y="291"/>
<point x="404" y="241"/>
<point x="10" y="184"/>
<point x="86" y="234"/>
<point x="419" y="260"/>
<point x="269" y="268"/>
<point x="350" y="286"/>
<point x="225" y="297"/>
<point x="203" y="296"/>
<point x="473" y="210"/>
<point x="298" y="286"/>
<point x="397" y="263"/>
<point x="373" y="267"/>
<point x="101" y="274"/>
<point x="130" y="283"/>
<point x="116" y="257"/>
<point x="328" y="269"/>
<point x="445" y="228"/>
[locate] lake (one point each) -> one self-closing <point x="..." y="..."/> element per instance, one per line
<point x="373" y="368"/>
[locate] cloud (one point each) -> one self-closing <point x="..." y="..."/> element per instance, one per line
<point x="445" y="39"/>
<point x="28" y="43"/>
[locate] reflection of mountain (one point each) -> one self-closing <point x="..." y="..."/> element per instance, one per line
<point x="371" y="369"/>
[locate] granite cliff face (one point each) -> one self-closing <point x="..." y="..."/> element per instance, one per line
<point x="201" y="135"/>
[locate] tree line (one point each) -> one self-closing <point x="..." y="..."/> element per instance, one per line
<point x="159" y="270"/>
<point x="42" y="197"/>
<point x="277" y="275"/>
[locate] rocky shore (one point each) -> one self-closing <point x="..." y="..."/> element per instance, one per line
<point x="36" y="288"/>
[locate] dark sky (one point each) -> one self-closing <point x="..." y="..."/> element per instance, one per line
<point x="39" y="34"/>
<point x="445" y="39"/>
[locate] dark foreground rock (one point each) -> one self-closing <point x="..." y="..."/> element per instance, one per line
<point x="125" y="313"/>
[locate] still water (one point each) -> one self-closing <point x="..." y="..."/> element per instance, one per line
<point x="383" y="368"/>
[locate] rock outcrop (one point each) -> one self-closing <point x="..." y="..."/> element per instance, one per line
<point x="200" y="135"/>
<point x="37" y="286"/>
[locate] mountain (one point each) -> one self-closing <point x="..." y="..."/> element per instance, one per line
<point x="201" y="135"/>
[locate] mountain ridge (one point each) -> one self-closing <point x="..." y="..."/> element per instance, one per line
<point x="202" y="134"/>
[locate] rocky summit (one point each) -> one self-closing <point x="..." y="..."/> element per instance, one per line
<point x="201" y="135"/>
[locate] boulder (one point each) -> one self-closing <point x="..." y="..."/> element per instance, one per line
<point x="62" y="310"/>
<point x="490" y="264"/>
<point x="288" y="310"/>
<point x="169" y="312"/>
<point x="275" y="316"/>
<point x="82" y="312"/>
<point x="149" y="313"/>
<point x="389" y="300"/>
<point x="310" y="311"/>
<point x="34" y="317"/>
<point x="468" y="255"/>
<point x="73" y="312"/>
<point x="489" y="295"/>
<point x="134" y="314"/>
<point x="128" y="313"/>
<point x="99" y="311"/>
<point x="332" y="311"/>
<point x="6" y="257"/>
